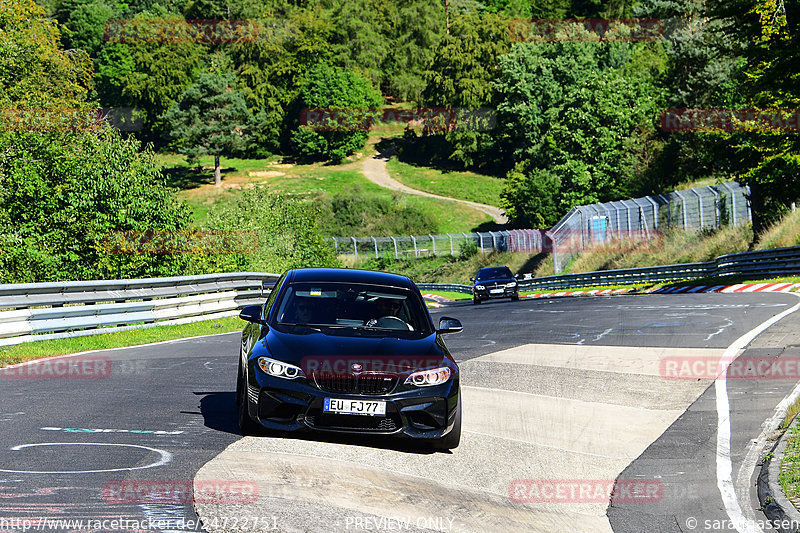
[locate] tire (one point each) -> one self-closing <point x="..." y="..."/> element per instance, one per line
<point x="452" y="439"/>
<point x="246" y="424"/>
<point x="476" y="301"/>
<point x="515" y="298"/>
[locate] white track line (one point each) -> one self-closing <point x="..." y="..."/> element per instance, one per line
<point x="724" y="464"/>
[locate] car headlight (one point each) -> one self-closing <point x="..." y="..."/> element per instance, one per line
<point x="480" y="287"/>
<point x="428" y="378"/>
<point x="279" y="369"/>
<point x="511" y="285"/>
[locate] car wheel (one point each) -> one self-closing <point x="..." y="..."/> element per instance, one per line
<point x="476" y="300"/>
<point x="246" y="424"/>
<point x="515" y="298"/>
<point x="452" y="439"/>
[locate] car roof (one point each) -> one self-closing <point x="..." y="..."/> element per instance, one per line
<point x="348" y="275"/>
<point x="493" y="268"/>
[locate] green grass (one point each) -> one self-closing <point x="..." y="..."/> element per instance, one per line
<point x="673" y="246"/>
<point x="310" y="181"/>
<point x="462" y="185"/>
<point x="449" y="294"/>
<point x="789" y="473"/>
<point x="36" y="350"/>
<point x="782" y="234"/>
<point x="450" y="269"/>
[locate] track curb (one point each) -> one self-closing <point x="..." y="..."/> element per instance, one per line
<point x="774" y="503"/>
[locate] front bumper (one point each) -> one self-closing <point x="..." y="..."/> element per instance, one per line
<point x="486" y="294"/>
<point x="296" y="405"/>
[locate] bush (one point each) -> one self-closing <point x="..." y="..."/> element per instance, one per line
<point x="343" y="93"/>
<point x="63" y="193"/>
<point x="286" y="228"/>
<point x="355" y="213"/>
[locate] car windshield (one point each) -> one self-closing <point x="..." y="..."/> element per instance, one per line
<point x="494" y="273"/>
<point x="352" y="306"/>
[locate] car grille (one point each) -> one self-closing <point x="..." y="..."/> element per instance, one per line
<point x="367" y="383"/>
<point x="381" y="424"/>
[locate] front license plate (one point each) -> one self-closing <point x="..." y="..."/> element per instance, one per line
<point x="496" y="291"/>
<point x="354" y="407"/>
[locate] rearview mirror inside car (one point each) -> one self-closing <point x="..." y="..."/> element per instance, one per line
<point x="449" y="325"/>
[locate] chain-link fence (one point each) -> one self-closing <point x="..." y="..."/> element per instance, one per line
<point x="691" y="209"/>
<point x="523" y="240"/>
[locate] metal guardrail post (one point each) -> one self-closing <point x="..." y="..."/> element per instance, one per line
<point x="355" y="247"/>
<point x="394" y="241"/>
<point x="480" y="240"/>
<point x="451" y="244"/>
<point x="733" y="203"/>
<point x="416" y="253"/>
<point x="335" y="246"/>
<point x="375" y="242"/>
<point x="494" y="241"/>
<point x="433" y="244"/>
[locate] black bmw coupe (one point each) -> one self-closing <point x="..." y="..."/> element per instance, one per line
<point x="353" y="351"/>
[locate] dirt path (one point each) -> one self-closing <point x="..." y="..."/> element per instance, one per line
<point x="374" y="168"/>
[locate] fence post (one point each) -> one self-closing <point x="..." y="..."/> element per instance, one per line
<point x="355" y="247"/>
<point x="716" y="205"/>
<point x="669" y="209"/>
<point x="394" y="241"/>
<point x="700" y="203"/>
<point x="494" y="241"/>
<point x="335" y="246"/>
<point x="480" y="240"/>
<point x="733" y="203"/>
<point x="416" y="253"/>
<point x="683" y="200"/>
<point x="451" y="244"/>
<point x="655" y="212"/>
<point x="433" y="244"/>
<point x="376" y="247"/>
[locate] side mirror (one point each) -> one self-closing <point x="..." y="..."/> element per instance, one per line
<point x="251" y="313"/>
<point x="517" y="276"/>
<point x="449" y="325"/>
<point x="472" y="279"/>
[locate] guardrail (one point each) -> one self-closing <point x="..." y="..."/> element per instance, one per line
<point x="761" y="264"/>
<point x="41" y="311"/>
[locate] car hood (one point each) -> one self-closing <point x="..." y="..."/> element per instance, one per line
<point x="323" y="350"/>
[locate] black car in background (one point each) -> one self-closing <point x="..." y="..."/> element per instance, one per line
<point x="344" y="350"/>
<point x="494" y="282"/>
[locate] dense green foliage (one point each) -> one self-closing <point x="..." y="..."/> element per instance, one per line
<point x="286" y="231"/>
<point x="576" y="115"/>
<point x="343" y="94"/>
<point x="354" y="212"/>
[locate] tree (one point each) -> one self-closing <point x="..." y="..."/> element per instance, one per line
<point x="145" y="74"/>
<point x="341" y="95"/>
<point x="461" y="76"/>
<point x="211" y="118"/>
<point x="567" y="109"/>
<point x="84" y="23"/>
<point x="34" y="71"/>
